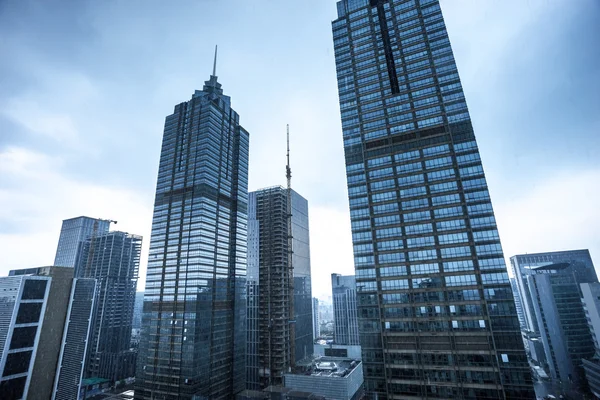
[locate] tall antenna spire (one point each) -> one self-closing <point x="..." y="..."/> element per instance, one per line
<point x="215" y="63"/>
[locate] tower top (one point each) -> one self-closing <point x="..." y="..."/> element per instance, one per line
<point x="212" y="85"/>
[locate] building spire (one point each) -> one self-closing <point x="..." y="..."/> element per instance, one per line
<point x="215" y="62"/>
<point x="212" y="85"/>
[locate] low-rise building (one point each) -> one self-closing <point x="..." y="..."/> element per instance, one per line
<point x="334" y="378"/>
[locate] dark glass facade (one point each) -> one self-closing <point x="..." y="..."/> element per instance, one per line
<point x="73" y="233"/>
<point x="272" y="352"/>
<point x="113" y="259"/>
<point x="436" y="312"/>
<point x="193" y="323"/>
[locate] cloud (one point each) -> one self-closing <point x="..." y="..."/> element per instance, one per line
<point x="560" y="213"/>
<point x="33" y="117"/>
<point x="35" y="196"/>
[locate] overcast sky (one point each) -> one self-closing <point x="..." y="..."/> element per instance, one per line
<point x="85" y="87"/>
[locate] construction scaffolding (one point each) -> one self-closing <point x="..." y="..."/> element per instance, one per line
<point x="275" y="346"/>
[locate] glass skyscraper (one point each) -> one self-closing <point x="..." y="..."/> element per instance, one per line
<point x="193" y="323"/>
<point x="113" y="259"/>
<point x="73" y="233"/>
<point x="436" y="313"/>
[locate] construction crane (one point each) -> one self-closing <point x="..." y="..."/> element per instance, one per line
<point x="291" y="316"/>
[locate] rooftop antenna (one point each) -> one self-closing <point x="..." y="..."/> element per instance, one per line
<point x="215" y="63"/>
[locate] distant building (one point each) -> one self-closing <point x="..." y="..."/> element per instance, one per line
<point x="344" y="309"/>
<point x="591" y="305"/>
<point x="280" y="339"/>
<point x="325" y="311"/>
<point x="334" y="378"/>
<point x="73" y="233"/>
<point x="137" y="310"/>
<point x="316" y="323"/>
<point x="45" y="316"/>
<point x="112" y="259"/>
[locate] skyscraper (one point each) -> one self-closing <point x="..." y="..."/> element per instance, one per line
<point x="278" y="347"/>
<point x="436" y="312"/>
<point x="44" y="326"/>
<point x="73" y="233"/>
<point x="193" y="323"/>
<point x="113" y="259"/>
<point x="343" y="291"/>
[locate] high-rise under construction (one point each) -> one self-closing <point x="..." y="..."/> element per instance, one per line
<point x="279" y="324"/>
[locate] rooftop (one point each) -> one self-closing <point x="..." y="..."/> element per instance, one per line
<point x="333" y="367"/>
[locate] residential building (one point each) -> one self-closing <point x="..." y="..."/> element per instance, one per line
<point x="430" y="273"/>
<point x="73" y="233"/>
<point x="113" y="259"/>
<point x="45" y="319"/>
<point x="316" y="323"/>
<point x="284" y="325"/>
<point x="194" y="317"/>
<point x="345" y="318"/>
<point x="333" y="378"/>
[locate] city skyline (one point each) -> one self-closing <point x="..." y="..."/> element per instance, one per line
<point x="63" y="161"/>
